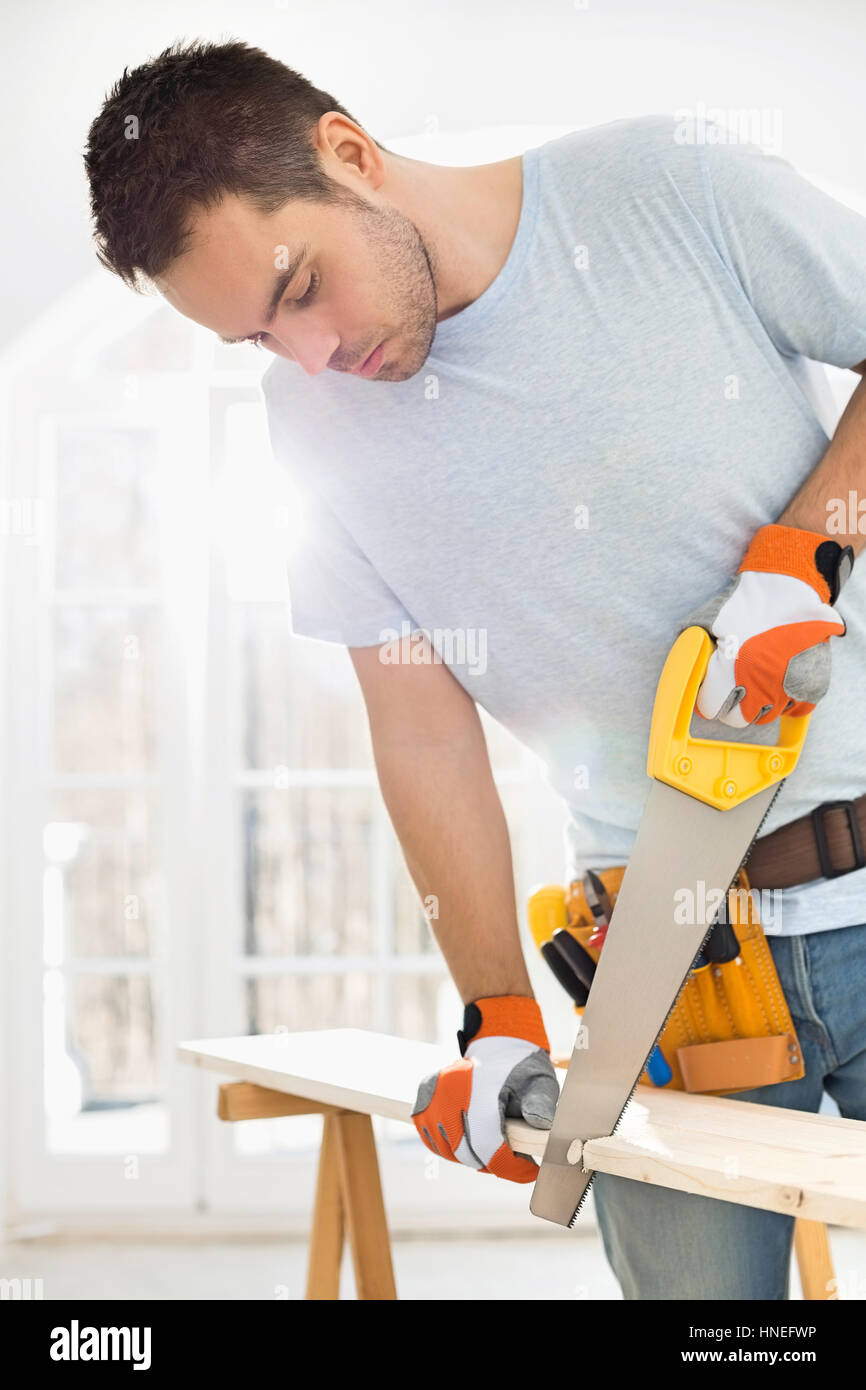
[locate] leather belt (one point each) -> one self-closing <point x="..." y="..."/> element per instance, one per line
<point x="824" y="844"/>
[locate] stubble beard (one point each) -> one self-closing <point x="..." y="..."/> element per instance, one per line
<point x="407" y="266"/>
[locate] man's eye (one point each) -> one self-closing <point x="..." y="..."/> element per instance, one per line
<point x="306" y="297"/>
<point x="309" y="292"/>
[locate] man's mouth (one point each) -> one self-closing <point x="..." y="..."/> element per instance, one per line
<point x="372" y="364"/>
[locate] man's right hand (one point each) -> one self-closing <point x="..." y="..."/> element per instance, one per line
<point x="506" y="1070"/>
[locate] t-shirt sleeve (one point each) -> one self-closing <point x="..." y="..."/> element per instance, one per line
<point x="335" y="593"/>
<point x="799" y="254"/>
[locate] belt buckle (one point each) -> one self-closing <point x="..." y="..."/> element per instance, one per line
<point x="817" y="817"/>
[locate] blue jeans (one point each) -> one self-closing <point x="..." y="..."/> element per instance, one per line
<point x="665" y="1244"/>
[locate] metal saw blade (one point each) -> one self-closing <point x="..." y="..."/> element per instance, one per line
<point x="681" y="844"/>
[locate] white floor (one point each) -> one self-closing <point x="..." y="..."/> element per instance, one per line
<point x="542" y="1267"/>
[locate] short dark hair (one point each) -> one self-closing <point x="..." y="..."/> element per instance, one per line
<point x="200" y="121"/>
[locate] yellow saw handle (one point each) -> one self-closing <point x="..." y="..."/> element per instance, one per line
<point x="712" y="770"/>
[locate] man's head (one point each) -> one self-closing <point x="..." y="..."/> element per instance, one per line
<point x="251" y="200"/>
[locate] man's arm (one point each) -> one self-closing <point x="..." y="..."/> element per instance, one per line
<point x="434" y="772"/>
<point x="772" y="625"/>
<point x="841" y="470"/>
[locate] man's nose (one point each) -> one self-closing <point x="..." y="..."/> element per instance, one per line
<point x="311" y="348"/>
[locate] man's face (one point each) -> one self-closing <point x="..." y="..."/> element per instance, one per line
<point x="360" y="278"/>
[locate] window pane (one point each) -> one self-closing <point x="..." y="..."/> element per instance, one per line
<point x="100" y="1065"/>
<point x="105" y="693"/>
<point x="301" y="702"/>
<point x="103" y="885"/>
<point x="106" y="528"/>
<point x="111" y="1036"/>
<point x="307" y="871"/>
<point x="418" y="1006"/>
<point x="298" y="1003"/>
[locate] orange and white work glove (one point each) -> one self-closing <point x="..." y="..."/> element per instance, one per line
<point x="772" y="624"/>
<point x="505" y="1070"/>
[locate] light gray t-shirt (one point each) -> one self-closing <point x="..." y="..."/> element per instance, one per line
<point x="585" y="456"/>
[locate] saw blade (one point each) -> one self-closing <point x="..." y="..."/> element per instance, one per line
<point x="683" y="846"/>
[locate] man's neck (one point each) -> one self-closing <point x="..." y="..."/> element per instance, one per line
<point x="467" y="217"/>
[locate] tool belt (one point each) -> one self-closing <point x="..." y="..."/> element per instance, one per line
<point x="826" y="843"/>
<point x="730" y="1028"/>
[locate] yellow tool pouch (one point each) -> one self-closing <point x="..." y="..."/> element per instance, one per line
<point x="730" y="1028"/>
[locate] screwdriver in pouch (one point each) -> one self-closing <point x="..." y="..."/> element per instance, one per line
<point x="564" y="973"/>
<point x="722" y="944"/>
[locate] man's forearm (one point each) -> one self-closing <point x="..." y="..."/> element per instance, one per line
<point x="823" y="502"/>
<point x="448" y="817"/>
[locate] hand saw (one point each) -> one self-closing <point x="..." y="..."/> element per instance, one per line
<point x="706" y="804"/>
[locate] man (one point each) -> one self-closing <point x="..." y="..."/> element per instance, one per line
<point x="558" y="402"/>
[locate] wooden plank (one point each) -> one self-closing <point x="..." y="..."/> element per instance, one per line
<point x="326" y="1236"/>
<point x="811" y="1166"/>
<point x="738" y="1171"/>
<point x="243" y="1100"/>
<point x="765" y="1156"/>
<point x="364" y="1207"/>
<point x="716" y="1115"/>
